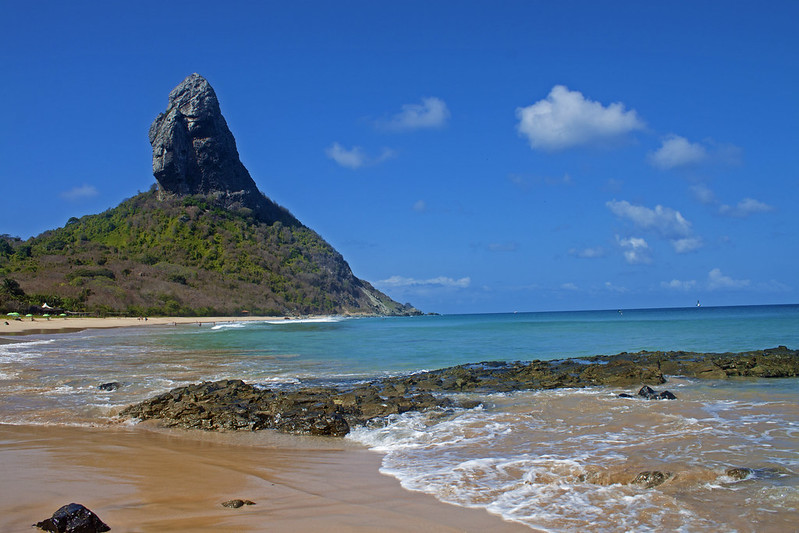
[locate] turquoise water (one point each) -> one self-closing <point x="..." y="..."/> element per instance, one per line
<point x="373" y="346"/>
<point x="50" y="376"/>
<point x="557" y="460"/>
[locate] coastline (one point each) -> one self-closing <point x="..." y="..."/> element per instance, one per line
<point x="40" y="326"/>
<point x="137" y="479"/>
<point x="144" y="479"/>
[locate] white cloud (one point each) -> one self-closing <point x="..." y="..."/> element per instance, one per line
<point x="678" y="285"/>
<point x="664" y="221"/>
<point x="355" y="157"/>
<point x="615" y="288"/>
<point x="566" y="118"/>
<point x="588" y="253"/>
<point x="677" y="151"/>
<point x="636" y="250"/>
<point x="746" y="207"/>
<point x="688" y="244"/>
<point x="717" y="280"/>
<point x="80" y="193"/>
<point x="570" y="287"/>
<point x="431" y="113"/>
<point x="441" y="281"/>
<point x="703" y="194"/>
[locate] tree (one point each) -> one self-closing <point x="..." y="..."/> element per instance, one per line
<point x="12" y="288"/>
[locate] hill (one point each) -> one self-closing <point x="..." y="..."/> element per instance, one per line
<point x="204" y="241"/>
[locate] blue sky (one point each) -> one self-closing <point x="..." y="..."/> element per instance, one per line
<point x="462" y="156"/>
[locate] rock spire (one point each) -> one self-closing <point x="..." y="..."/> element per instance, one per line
<point x="194" y="153"/>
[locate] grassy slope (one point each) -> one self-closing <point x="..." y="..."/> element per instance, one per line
<point x="183" y="256"/>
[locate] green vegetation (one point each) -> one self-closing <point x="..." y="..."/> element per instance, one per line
<point x="180" y="256"/>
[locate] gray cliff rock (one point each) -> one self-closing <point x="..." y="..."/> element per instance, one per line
<point x="194" y="153"/>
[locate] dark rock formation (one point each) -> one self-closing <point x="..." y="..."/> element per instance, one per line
<point x="738" y="473"/>
<point x="506" y="377"/>
<point x="111" y="386"/>
<point x="194" y="153"/>
<point x="206" y="242"/>
<point x="776" y="362"/>
<point x="73" y="518"/>
<point x="233" y="404"/>
<point x="235" y="504"/>
<point x="648" y="393"/>
<point x="621" y="370"/>
<point x="651" y="478"/>
<point x="741" y="473"/>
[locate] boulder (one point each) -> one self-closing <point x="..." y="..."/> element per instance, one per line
<point x="73" y="518"/>
<point x="648" y="393"/>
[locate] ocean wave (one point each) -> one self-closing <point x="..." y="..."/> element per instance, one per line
<point x="564" y="460"/>
<point x="229" y="325"/>
<point x="310" y="320"/>
<point x="19" y="351"/>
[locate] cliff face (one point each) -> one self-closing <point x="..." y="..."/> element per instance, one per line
<point x="209" y="242"/>
<point x="194" y="152"/>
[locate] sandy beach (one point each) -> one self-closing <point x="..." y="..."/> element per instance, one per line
<point x="140" y="480"/>
<point x="40" y="325"/>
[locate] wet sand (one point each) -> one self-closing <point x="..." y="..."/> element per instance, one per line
<point x="140" y="480"/>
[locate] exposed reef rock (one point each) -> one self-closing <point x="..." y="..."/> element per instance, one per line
<point x="233" y="404"/>
<point x="511" y="376"/>
<point x="194" y="152"/>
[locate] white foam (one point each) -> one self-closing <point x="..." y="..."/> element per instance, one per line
<point x="20" y="351"/>
<point x="311" y="320"/>
<point x="523" y="460"/>
<point x="229" y="325"/>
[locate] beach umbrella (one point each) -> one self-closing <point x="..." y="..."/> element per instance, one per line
<point x="29" y="315"/>
<point x="63" y="314"/>
<point x="46" y="315"/>
<point x="13" y="314"/>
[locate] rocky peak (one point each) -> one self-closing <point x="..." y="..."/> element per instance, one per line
<point x="194" y="152"/>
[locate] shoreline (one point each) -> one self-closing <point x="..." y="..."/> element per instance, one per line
<point x="42" y="326"/>
<point x="144" y="479"/>
<point x="140" y="479"/>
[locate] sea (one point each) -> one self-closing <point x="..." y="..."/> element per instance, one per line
<point x="555" y="460"/>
